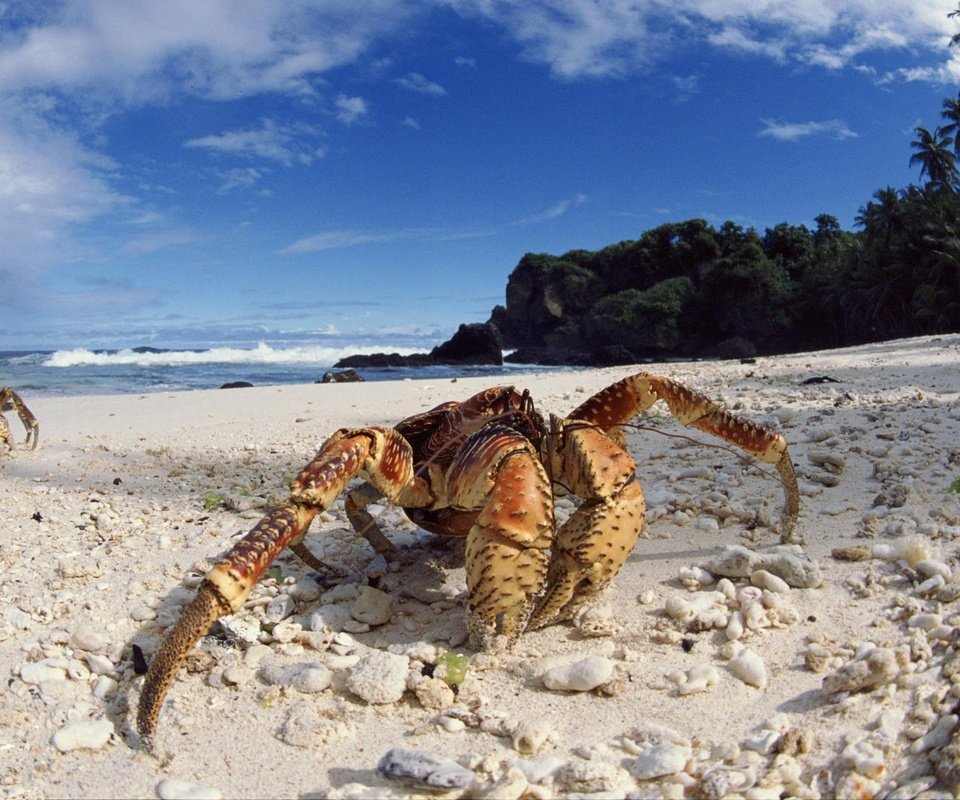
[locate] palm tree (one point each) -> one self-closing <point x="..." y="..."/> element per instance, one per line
<point x="935" y="157"/>
<point x="881" y="217"/>
<point x="951" y="114"/>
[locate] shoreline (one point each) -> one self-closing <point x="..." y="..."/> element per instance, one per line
<point x="121" y="483"/>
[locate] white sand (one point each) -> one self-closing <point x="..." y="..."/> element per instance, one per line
<point x="102" y="523"/>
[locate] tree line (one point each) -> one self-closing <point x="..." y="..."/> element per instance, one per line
<point x="683" y="287"/>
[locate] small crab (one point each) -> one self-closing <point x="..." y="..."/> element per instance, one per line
<point x="486" y="469"/>
<point x="10" y="401"/>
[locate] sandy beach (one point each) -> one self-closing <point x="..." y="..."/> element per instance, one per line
<point x="709" y="687"/>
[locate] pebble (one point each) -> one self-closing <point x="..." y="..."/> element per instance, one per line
<point x="337" y="618"/>
<point x="709" y="609"/>
<point x="784" y="561"/>
<point x="530" y="736"/>
<point x="931" y="567"/>
<point x="735" y="626"/>
<point x="37" y="672"/>
<point x="659" y="760"/>
<point x="581" y="676"/>
<point x="870" y="670"/>
<point x="695" y="577"/>
<point x="241" y="628"/>
<point x="749" y="667"/>
<point x="280" y="607"/>
<point x="174" y="789"/>
<point x="938" y="736"/>
<point x="88" y="639"/>
<point x="698" y="678"/>
<point x="100" y="665"/>
<point x="592" y="778"/>
<point x="87" y="734"/>
<point x="104" y="687"/>
<point x="421" y="769"/>
<point x="762" y="742"/>
<point x="372" y="606"/>
<point x="17" y="617"/>
<point x="451" y="725"/>
<point x="312" y="679"/>
<point x="721" y="781"/>
<point x="379" y="677"/>
<point x="433" y="693"/>
<point x="769" y="581"/>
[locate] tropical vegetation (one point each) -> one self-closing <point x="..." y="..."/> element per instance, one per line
<point x="682" y="288"/>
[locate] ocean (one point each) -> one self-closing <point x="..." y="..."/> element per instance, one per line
<point x="147" y="369"/>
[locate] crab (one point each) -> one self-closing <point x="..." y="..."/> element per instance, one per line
<point x="486" y="469"/>
<point x="10" y="401"/>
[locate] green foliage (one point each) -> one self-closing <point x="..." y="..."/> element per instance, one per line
<point x="954" y="487"/>
<point x="212" y="500"/>
<point x="649" y="321"/>
<point x="276" y="573"/>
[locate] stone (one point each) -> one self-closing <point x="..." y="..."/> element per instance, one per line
<point x="379" y="677"/>
<point x="421" y="769"/>
<point x="581" y="676"/>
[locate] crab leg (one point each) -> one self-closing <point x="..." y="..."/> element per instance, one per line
<point x="381" y="455"/>
<point x="619" y="403"/>
<point x="592" y="545"/>
<point x="498" y="476"/>
<point x="9" y="399"/>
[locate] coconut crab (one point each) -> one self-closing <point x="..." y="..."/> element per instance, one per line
<point x="486" y="469"/>
<point x="10" y="401"/>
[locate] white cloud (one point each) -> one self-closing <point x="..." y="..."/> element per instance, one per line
<point x="686" y="84"/>
<point x="239" y="178"/>
<point x="416" y="82"/>
<point x="791" y="131"/>
<point x="283" y="143"/>
<point x="50" y="184"/>
<point x="154" y="242"/>
<point x="335" y="240"/>
<point x="558" y="209"/>
<point x="350" y="109"/>
<point x="733" y="38"/>
<point x="143" y="49"/>
<point x="601" y="38"/>
<point x="410" y="122"/>
<point x="578" y="38"/>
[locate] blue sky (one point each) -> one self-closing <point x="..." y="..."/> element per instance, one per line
<point x="183" y="173"/>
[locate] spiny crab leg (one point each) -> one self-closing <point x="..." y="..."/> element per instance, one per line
<point x="10" y="400"/>
<point x="381" y="455"/>
<point x="622" y="401"/>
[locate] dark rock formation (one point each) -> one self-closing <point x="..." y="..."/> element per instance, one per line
<point x="237" y="385"/>
<point x="382" y="360"/>
<point x="734" y="347"/>
<point x="476" y="343"/>
<point x="346" y="376"/>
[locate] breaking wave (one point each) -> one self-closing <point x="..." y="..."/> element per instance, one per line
<point x="261" y="354"/>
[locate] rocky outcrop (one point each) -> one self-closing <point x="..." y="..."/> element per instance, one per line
<point x="344" y="376"/>
<point x="546" y="296"/>
<point x="476" y="343"/>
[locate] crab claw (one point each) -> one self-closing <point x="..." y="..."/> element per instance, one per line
<point x="223" y="591"/>
<point x="383" y="456"/>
